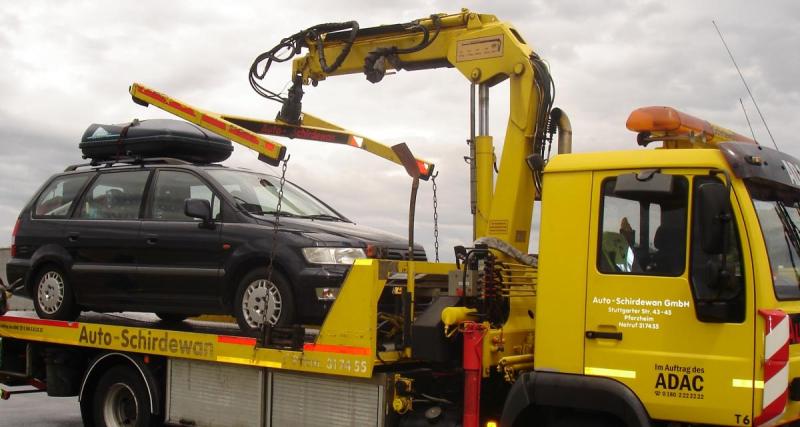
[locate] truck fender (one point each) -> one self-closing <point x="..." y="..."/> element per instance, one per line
<point x="106" y="360"/>
<point x="571" y="391"/>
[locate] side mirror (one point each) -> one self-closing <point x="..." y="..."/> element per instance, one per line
<point x="714" y="213"/>
<point x="198" y="208"/>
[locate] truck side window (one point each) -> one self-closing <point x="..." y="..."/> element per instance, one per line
<point x="116" y="195"/>
<point x="171" y="190"/>
<point x="643" y="234"/>
<point x="56" y="200"/>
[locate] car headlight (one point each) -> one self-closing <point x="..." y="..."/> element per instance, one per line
<point x="333" y="255"/>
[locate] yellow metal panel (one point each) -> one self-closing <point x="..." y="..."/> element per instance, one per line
<point x="635" y="159"/>
<point x="562" y="272"/>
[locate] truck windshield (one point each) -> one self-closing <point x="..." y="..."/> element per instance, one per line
<point x="779" y="217"/>
<point x="258" y="194"/>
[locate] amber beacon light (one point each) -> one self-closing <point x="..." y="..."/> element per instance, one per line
<point x="676" y="128"/>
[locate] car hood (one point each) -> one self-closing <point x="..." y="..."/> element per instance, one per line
<point x="335" y="231"/>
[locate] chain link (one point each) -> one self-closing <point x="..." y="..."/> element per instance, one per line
<point x="435" y="217"/>
<point x="275" y="229"/>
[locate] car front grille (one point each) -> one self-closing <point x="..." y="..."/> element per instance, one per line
<point x="402" y="254"/>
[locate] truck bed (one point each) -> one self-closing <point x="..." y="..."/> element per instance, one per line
<point x="191" y="339"/>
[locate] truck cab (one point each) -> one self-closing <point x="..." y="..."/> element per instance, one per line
<point x="679" y="274"/>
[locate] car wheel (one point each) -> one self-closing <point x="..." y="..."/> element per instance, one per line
<point x="258" y="299"/>
<point x="121" y="399"/>
<point x="172" y="317"/>
<point x="52" y="295"/>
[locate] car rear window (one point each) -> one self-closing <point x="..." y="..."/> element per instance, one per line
<point x="56" y="200"/>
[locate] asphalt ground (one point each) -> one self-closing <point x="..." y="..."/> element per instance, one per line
<point x="29" y="410"/>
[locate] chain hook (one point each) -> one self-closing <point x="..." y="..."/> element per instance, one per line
<point x="435" y="217"/>
<point x="275" y="229"/>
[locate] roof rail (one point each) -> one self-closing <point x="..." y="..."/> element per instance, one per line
<point x="130" y="161"/>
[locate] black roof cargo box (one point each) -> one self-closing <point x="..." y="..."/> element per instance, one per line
<point x="154" y="138"/>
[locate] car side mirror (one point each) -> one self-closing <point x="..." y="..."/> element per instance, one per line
<point x="198" y="208"/>
<point x="714" y="215"/>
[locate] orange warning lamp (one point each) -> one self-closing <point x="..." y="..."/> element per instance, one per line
<point x="670" y="125"/>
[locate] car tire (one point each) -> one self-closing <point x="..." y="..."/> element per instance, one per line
<point x="121" y="399"/>
<point x="257" y="296"/>
<point x="172" y="317"/>
<point x="52" y="294"/>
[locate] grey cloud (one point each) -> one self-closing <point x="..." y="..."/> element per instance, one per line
<point x="70" y="65"/>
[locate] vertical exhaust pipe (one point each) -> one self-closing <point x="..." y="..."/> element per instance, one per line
<point x="559" y="117"/>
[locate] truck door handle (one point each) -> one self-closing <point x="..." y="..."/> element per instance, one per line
<point x="73" y="237"/>
<point x="607" y="335"/>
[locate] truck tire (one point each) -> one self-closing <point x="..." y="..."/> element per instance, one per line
<point x="258" y="298"/>
<point x="52" y="295"/>
<point x="121" y="399"/>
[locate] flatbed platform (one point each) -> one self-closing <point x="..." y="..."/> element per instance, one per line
<point x="191" y="339"/>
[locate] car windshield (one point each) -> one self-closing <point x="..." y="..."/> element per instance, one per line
<point x="258" y="194"/>
<point x="779" y="216"/>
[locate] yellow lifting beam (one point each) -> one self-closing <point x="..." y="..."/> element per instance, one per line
<point x="248" y="131"/>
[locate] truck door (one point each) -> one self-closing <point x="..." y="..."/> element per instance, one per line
<point x="669" y="314"/>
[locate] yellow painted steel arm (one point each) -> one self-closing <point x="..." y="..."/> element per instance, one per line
<point x="247" y="131"/>
<point x="486" y="51"/>
<point x="270" y="151"/>
<point x="316" y="129"/>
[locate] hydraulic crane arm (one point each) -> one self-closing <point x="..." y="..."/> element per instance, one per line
<point x="486" y="51"/>
<point x="248" y="131"/>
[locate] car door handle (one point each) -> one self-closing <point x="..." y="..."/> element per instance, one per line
<point x="151" y="239"/>
<point x="73" y="237"/>
<point x="602" y="334"/>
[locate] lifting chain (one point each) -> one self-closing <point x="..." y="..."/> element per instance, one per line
<point x="435" y="217"/>
<point x="275" y="227"/>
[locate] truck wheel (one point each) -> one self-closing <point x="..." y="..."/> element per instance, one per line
<point x="258" y="298"/>
<point x="121" y="400"/>
<point x="172" y="317"/>
<point x="52" y="295"/>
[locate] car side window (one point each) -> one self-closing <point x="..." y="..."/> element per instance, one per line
<point x="644" y="233"/>
<point x="172" y="189"/>
<point x="116" y="195"/>
<point x="56" y="200"/>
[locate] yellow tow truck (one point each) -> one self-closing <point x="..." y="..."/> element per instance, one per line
<point x="666" y="291"/>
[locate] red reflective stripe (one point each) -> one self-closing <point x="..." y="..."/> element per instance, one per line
<point x="268" y="145"/>
<point x="775" y="366"/>
<point x="227" y="339"/>
<point x="181" y="107"/>
<point x="342" y="349"/>
<point x="152" y="94"/>
<point x="42" y="322"/>
<point x="213" y="121"/>
<point x="244" y="135"/>
<point x="773" y="411"/>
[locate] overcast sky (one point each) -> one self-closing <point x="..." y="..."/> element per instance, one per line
<point x="65" y="65"/>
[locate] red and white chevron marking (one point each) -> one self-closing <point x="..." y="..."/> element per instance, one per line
<point x="776" y="367"/>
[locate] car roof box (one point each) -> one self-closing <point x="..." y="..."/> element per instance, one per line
<point x="154" y="138"/>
